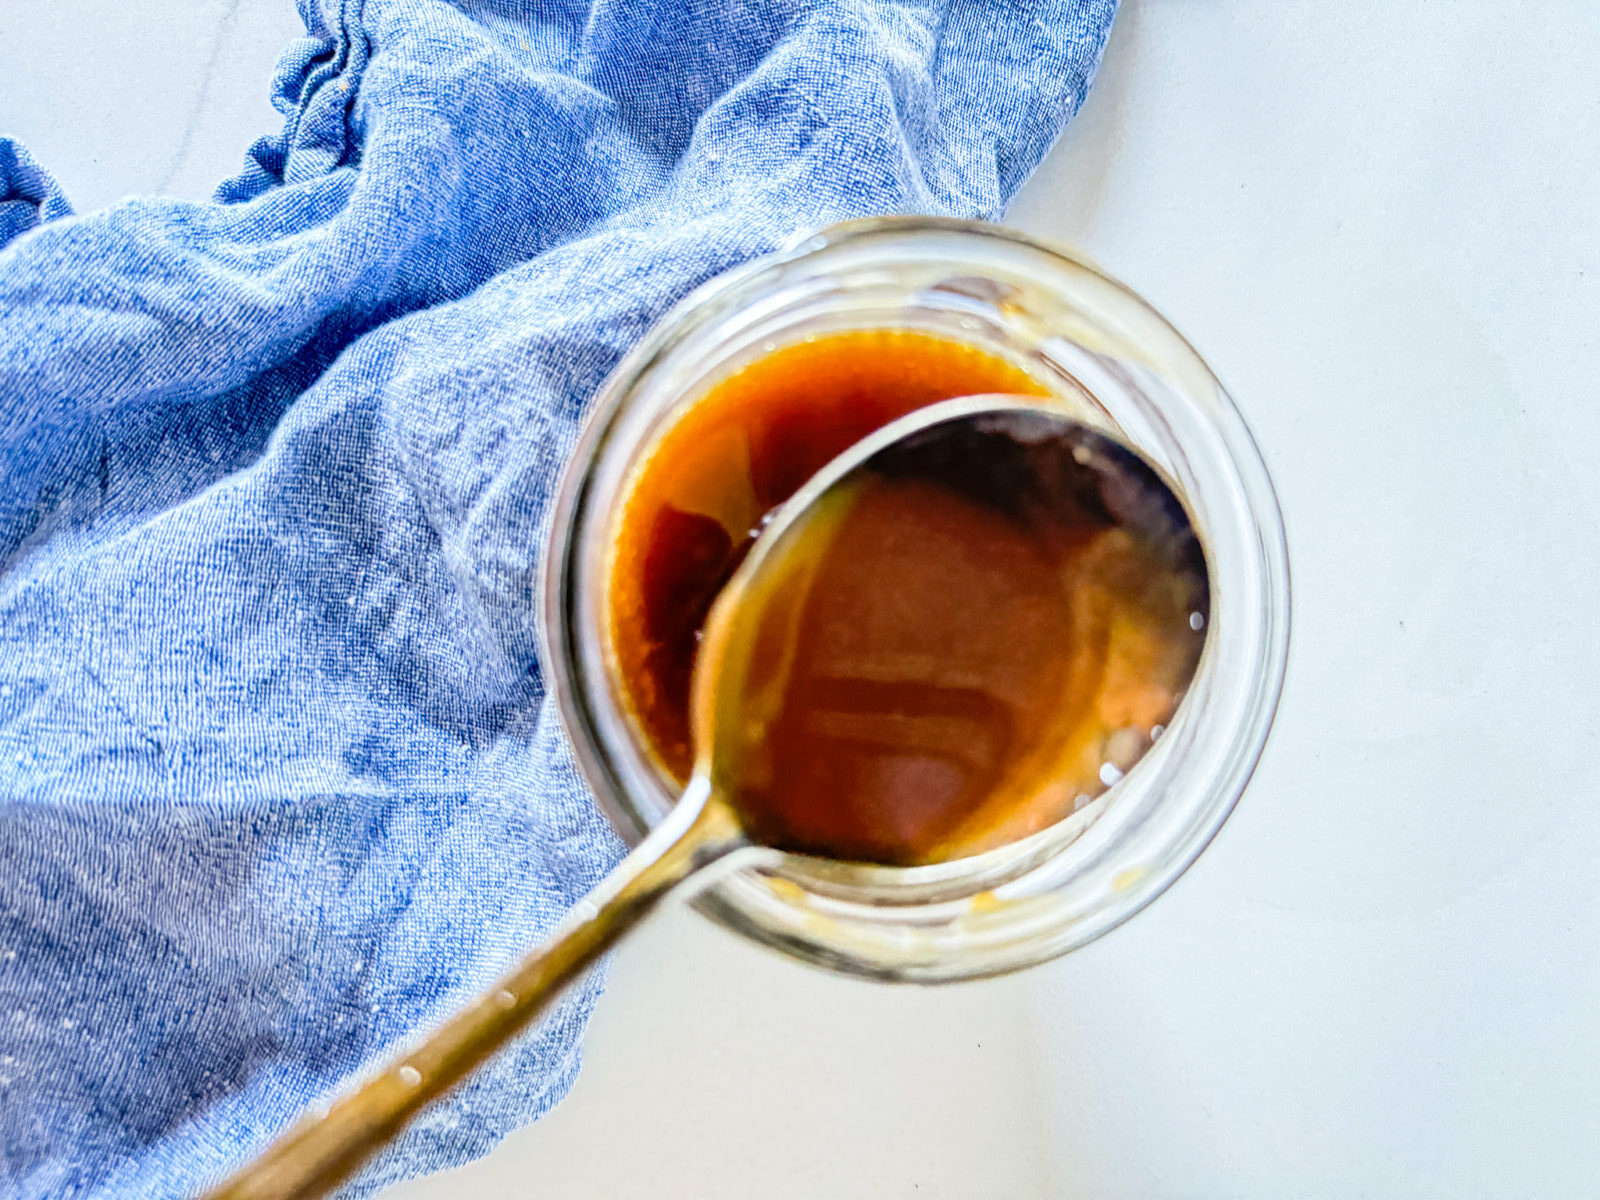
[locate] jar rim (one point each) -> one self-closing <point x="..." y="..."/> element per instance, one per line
<point x="1068" y="884"/>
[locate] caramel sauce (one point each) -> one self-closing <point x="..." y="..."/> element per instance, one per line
<point x="952" y="650"/>
<point x="732" y="457"/>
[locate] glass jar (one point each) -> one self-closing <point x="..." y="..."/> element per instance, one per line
<point x="1111" y="360"/>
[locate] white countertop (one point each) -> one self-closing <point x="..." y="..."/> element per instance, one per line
<point x="1381" y="224"/>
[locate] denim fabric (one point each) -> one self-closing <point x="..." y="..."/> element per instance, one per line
<point x="278" y="782"/>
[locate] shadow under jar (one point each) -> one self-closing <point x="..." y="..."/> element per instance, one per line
<point x="756" y="381"/>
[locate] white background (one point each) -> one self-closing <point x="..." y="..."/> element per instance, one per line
<point x="1381" y="224"/>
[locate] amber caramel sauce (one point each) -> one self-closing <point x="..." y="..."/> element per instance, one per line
<point x="927" y="668"/>
<point x="697" y="501"/>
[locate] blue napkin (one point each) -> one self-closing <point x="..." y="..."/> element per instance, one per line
<point x="278" y="780"/>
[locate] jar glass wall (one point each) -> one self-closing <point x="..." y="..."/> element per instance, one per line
<point x="1102" y="354"/>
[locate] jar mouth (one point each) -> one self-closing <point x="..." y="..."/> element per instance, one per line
<point x="1108" y="358"/>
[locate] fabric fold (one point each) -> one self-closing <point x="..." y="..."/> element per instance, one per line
<point x="28" y="195"/>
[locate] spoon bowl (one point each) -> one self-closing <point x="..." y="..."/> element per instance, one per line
<point x="961" y="631"/>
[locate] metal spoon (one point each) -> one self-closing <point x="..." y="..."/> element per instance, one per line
<point x="1010" y="449"/>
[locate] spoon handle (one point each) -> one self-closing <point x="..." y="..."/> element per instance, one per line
<point x="322" y="1150"/>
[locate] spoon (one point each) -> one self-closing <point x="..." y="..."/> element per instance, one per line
<point x="953" y="635"/>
